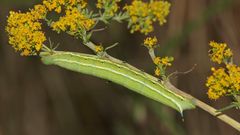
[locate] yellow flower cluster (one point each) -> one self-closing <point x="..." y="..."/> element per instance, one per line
<point x="143" y="14"/>
<point x="57" y="5"/>
<point x="157" y="71"/>
<point x="72" y="22"/>
<point x="160" y="9"/>
<point x="24" y="30"/>
<point x="150" y="42"/>
<point x="110" y="6"/>
<point x="39" y="12"/>
<point x="165" y="61"/>
<point x="162" y="64"/>
<point x="98" y="48"/>
<point x="219" y="52"/>
<point x="234" y="74"/>
<point x="223" y="82"/>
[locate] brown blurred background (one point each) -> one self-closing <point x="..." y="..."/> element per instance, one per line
<point x="46" y="100"/>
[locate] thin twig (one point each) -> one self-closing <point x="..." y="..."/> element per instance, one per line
<point x="182" y="73"/>
<point x="228" y="120"/>
<point x="111" y="46"/>
<point x="98" y="30"/>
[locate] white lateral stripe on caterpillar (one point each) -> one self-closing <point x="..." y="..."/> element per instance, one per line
<point x="119" y="73"/>
<point x="122" y="66"/>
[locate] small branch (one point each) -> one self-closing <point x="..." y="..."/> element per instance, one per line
<point x="182" y="73"/>
<point x="112" y="46"/>
<point x="98" y="30"/>
<point x="152" y="54"/>
<point x="228" y="120"/>
<point x="220" y="116"/>
<point x="232" y="105"/>
<point x="92" y="46"/>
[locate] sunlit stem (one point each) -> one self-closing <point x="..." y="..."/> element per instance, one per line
<point x="92" y="46"/>
<point x="152" y="53"/>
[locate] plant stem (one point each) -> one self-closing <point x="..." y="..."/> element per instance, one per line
<point x="92" y="46"/>
<point x="228" y="120"/>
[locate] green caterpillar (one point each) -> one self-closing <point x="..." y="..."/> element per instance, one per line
<point x="119" y="73"/>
